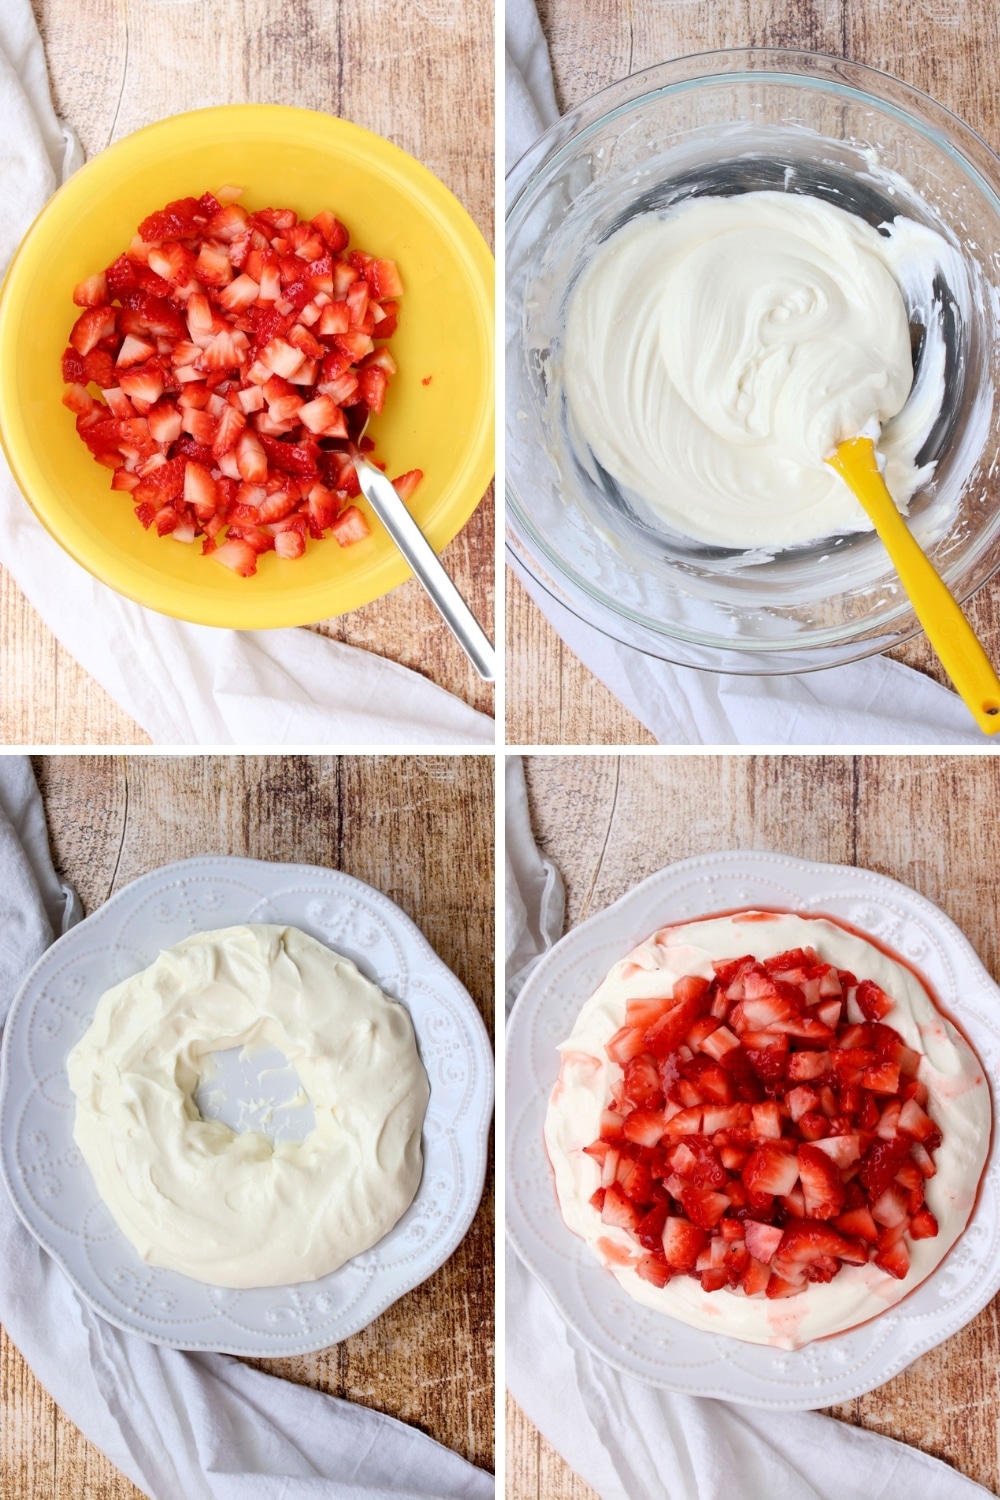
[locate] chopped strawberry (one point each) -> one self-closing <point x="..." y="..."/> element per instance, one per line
<point x="683" y="1242"/>
<point x="210" y="305"/>
<point x="770" y="1170"/>
<point x="874" y="1002"/>
<point x="91" y="327"/>
<point x="762" y="1240"/>
<point x="236" y="554"/>
<point x="822" y="1185"/>
<point x="923" y="1225"/>
<point x="880" y="1164"/>
<point x="92" y="291"/>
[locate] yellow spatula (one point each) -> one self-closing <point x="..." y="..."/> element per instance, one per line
<point x="948" y="631"/>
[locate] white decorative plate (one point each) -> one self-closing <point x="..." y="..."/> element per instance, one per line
<point x="651" y="1346"/>
<point x="55" y="1194"/>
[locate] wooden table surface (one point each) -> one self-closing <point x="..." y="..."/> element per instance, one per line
<point x="949" y="48"/>
<point x="609" y="821"/>
<point x="405" y="826"/>
<point x="420" y="74"/>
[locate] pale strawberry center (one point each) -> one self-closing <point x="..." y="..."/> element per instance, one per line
<point x="759" y="1139"/>
<point x="236" y="354"/>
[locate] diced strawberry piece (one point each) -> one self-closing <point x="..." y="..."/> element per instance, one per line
<point x="874" y="1002"/>
<point x="915" y="1121"/>
<point x="180" y="220"/>
<point x="684" y="1122"/>
<point x="923" y="1225"/>
<point x="199" y="488"/>
<point x="142" y="383"/>
<point x="755" y="1278"/>
<point x="720" y="1042"/>
<point x="806" y="1067"/>
<point x="924" y="1160"/>
<point x="384" y="279"/>
<point x="99" y="367"/>
<point x="703" y="1206"/>
<point x="642" y="1081"/>
<point x="800" y="1101"/>
<point x="237" y="555"/>
<point x="778" y="1287"/>
<point x="250" y="458"/>
<point x="880" y="1164"/>
<point x="887" y="1127"/>
<point x="627" y="1042"/>
<point x="770" y="1170"/>
<point x="229" y="429"/>
<point x="683" y="1242"/>
<point x="805" y="1243"/>
<point x="644" y="1127"/>
<point x="350" y="526"/>
<point x="618" y="1211"/>
<point x="643" y="1010"/>
<point x="858" y="1224"/>
<point x="654" y="1269"/>
<point x="173" y="262"/>
<point x="213" y="266"/>
<point x="92" y="291"/>
<point x="163" y="483"/>
<point x="91" y="327"/>
<point x="690" y="998"/>
<point x="762" y="1240"/>
<point x="767" y="1121"/>
<point x="892" y="1255"/>
<point x="843" y="1150"/>
<point x="881" y="1078"/>
<point x="822" y="1185"/>
<point x="890" y="1207"/>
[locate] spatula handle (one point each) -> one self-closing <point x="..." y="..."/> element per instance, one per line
<point x="948" y="631"/>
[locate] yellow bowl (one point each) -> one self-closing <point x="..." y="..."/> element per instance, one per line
<point x="439" y="411"/>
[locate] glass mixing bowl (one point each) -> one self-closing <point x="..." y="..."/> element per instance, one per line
<point x="724" y="123"/>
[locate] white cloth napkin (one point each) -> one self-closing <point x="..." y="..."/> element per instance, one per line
<point x="628" y="1440"/>
<point x="873" y="702"/>
<point x="185" y="684"/>
<point x="181" y="1426"/>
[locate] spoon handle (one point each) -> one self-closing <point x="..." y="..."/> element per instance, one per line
<point x="422" y="558"/>
<point x="948" y="631"/>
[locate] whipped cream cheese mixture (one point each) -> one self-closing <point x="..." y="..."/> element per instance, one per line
<point x="959" y="1101"/>
<point x="717" y="354"/>
<point x="232" y="1209"/>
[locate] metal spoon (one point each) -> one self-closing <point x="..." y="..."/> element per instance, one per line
<point x="427" y="567"/>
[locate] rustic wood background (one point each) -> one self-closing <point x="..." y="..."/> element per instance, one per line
<point x="405" y="825"/>
<point x="609" y="821"/>
<point x="950" y="48"/>
<point x="421" y="74"/>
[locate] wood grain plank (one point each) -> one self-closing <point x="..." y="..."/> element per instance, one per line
<point x="946" y="49"/>
<point x="421" y="830"/>
<point x="609" y="821"/>
<point x="423" y="76"/>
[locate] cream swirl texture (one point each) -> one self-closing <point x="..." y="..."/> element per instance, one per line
<point x="716" y="355"/>
<point x="235" y="1210"/>
<point x="958" y="1092"/>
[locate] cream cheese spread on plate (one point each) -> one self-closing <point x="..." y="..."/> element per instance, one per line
<point x="235" y="1210"/>
<point x="715" y="355"/>
<point x="959" y="1099"/>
